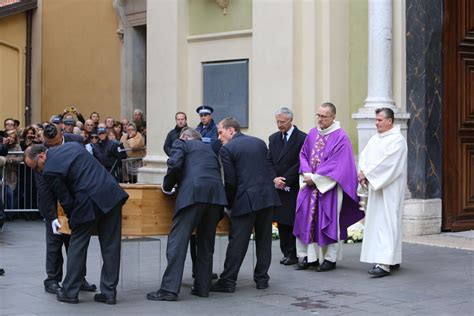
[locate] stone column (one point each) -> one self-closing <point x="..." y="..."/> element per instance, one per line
<point x="380" y="74"/>
<point x="166" y="80"/>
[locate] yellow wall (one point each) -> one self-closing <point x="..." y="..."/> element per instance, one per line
<point x="80" y="57"/>
<point x="12" y="66"/>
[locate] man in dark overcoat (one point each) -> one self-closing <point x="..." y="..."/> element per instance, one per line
<point x="283" y="154"/>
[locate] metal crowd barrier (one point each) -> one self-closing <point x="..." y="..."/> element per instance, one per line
<point x="18" y="185"/>
<point x="129" y="170"/>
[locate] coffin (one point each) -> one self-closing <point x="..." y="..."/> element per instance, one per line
<point x="149" y="212"/>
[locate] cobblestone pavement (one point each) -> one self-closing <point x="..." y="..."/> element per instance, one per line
<point x="431" y="281"/>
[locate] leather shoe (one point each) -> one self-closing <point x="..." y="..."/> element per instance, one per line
<point x="2" y="271"/>
<point x="303" y="264"/>
<point x="327" y="266"/>
<point x="378" y="272"/>
<point x="262" y="285"/>
<point x="290" y="261"/>
<point x="195" y="292"/>
<point x="283" y="260"/>
<point x="395" y="267"/>
<point x="220" y="287"/>
<point x="61" y="296"/>
<point x="86" y="286"/>
<point x="102" y="298"/>
<point x="162" y="295"/>
<point x="52" y="288"/>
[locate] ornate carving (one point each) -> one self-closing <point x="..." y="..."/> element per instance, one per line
<point x="224" y="4"/>
<point x="119" y="6"/>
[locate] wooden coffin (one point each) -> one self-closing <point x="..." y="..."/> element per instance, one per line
<point x="149" y="212"/>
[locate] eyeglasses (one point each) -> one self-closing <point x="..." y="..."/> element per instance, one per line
<point x="94" y="137"/>
<point x="323" y="116"/>
<point x="282" y="122"/>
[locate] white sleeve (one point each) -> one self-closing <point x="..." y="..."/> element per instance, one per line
<point x="323" y="183"/>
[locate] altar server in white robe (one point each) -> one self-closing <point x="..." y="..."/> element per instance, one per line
<point x="383" y="167"/>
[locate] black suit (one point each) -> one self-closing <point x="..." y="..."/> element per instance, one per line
<point x="90" y="196"/>
<point x="3" y="152"/>
<point x="47" y="206"/>
<point x="252" y="197"/>
<point x="199" y="205"/>
<point x="285" y="159"/>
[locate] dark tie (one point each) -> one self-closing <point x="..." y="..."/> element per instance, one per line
<point x="285" y="138"/>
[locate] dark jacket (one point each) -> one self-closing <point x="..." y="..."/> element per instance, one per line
<point x="170" y="139"/>
<point x="81" y="183"/>
<point x="285" y="161"/>
<point x="3" y="152"/>
<point x="195" y="168"/>
<point x="106" y="152"/>
<point x="208" y="133"/>
<point x="248" y="175"/>
<point x="47" y="200"/>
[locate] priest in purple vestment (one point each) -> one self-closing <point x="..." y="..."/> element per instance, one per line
<point x="327" y="201"/>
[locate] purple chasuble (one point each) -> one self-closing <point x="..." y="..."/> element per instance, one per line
<point x="316" y="213"/>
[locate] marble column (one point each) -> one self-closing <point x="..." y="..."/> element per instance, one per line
<point x="380" y="74"/>
<point x="166" y="80"/>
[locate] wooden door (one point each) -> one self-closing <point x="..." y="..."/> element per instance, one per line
<point x="458" y="115"/>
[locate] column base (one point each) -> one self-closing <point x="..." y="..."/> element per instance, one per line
<point x="422" y="217"/>
<point x="153" y="170"/>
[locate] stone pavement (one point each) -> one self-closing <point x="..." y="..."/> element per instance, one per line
<point x="432" y="281"/>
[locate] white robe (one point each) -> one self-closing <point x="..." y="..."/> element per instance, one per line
<point x="384" y="163"/>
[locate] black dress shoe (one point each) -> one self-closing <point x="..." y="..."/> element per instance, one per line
<point x="195" y="292"/>
<point x="290" y="261"/>
<point x="162" y="295"/>
<point x="102" y="298"/>
<point x="378" y="272"/>
<point x="52" y="288"/>
<point x="304" y="264"/>
<point x="86" y="286"/>
<point x="61" y="296"/>
<point x="327" y="266"/>
<point x="283" y="260"/>
<point x="2" y="271"/>
<point x="395" y="267"/>
<point x="220" y="287"/>
<point x="262" y="285"/>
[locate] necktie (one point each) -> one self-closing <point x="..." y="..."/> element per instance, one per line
<point x="285" y="138"/>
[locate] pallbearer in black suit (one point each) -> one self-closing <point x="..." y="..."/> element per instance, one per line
<point x="283" y="154"/>
<point x="199" y="205"/>
<point x="90" y="197"/>
<point x="252" y="197"/>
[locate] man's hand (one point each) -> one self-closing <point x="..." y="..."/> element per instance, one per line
<point x="280" y="183"/>
<point x="55" y="225"/>
<point x="168" y="192"/>
<point x="307" y="179"/>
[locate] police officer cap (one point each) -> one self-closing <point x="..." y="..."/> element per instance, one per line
<point x="56" y="120"/>
<point x="70" y="121"/>
<point x="204" y="109"/>
<point x="101" y="130"/>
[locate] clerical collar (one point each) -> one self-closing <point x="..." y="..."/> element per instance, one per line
<point x="334" y="127"/>
<point x="394" y="130"/>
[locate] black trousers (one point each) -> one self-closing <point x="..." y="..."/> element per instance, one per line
<point x="109" y="229"/>
<point x="54" y="255"/>
<point x="204" y="218"/>
<point x="239" y="237"/>
<point x="287" y="240"/>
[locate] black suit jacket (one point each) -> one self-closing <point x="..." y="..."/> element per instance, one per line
<point x="248" y="175"/>
<point x="285" y="161"/>
<point x="81" y="183"/>
<point x="69" y="137"/>
<point x="196" y="169"/>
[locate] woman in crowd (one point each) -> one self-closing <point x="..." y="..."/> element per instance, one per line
<point x="134" y="144"/>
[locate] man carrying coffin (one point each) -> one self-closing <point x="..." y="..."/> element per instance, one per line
<point x="327" y="201"/>
<point x="383" y="167"/>
<point x="91" y="198"/>
<point x="199" y="205"/>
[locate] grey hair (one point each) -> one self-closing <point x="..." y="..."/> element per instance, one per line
<point x="138" y="111"/>
<point x="191" y="133"/>
<point x="329" y="105"/>
<point x="285" y="110"/>
<point x="388" y="113"/>
<point x="34" y="150"/>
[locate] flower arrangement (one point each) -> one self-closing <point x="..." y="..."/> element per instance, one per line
<point x="275" y="235"/>
<point x="355" y="233"/>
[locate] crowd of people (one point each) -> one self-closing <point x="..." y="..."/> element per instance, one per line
<point x="308" y="183"/>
